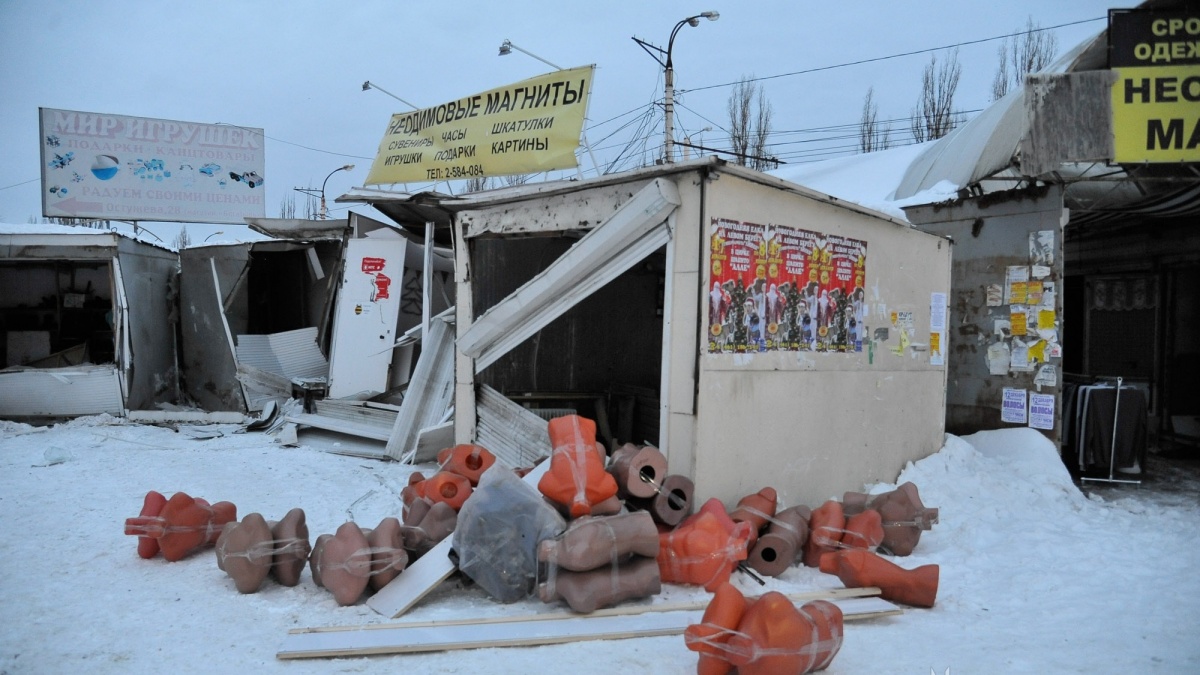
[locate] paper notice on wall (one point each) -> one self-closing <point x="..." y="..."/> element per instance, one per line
<point x="1018" y="320"/>
<point x="1037" y="352"/>
<point x="1047" y="376"/>
<point x="1018" y="359"/>
<point x="1002" y="328"/>
<point x="1041" y="247"/>
<point x="1045" y="319"/>
<point x="995" y="295"/>
<point x="904" y="343"/>
<point x="1041" y="411"/>
<point x="1033" y="292"/>
<point x="937" y="311"/>
<point x="936" y="344"/>
<point x="1012" y="408"/>
<point x="1015" y="280"/>
<point x="1040" y="271"/>
<point x="997" y="358"/>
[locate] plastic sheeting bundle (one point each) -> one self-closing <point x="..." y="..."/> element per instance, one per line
<point x="498" y="533"/>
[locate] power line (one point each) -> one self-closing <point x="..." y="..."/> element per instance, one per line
<point x="25" y="182"/>
<point x="893" y="56"/>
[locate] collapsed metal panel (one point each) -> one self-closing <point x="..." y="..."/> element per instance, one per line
<point x="516" y="436"/>
<point x="430" y="392"/>
<point x="60" y="392"/>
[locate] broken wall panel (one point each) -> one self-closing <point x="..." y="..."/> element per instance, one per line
<point x="516" y="436"/>
<point x="430" y="392"/>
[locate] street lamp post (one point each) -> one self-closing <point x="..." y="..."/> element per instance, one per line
<point x="506" y="48"/>
<point x="324" y="211"/>
<point x="669" y="78"/>
<point x="368" y="85"/>
<point x="214" y="234"/>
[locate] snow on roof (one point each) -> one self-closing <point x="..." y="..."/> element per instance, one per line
<point x="55" y="229"/>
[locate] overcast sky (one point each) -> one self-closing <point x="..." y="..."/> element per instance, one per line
<point x="296" y="68"/>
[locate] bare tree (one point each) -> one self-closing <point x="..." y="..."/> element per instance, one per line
<point x="517" y="179"/>
<point x="871" y="135"/>
<point x="750" y="128"/>
<point x="182" y="240"/>
<point x="934" y="115"/>
<point x="478" y="183"/>
<point x="287" y="207"/>
<point x="1028" y="52"/>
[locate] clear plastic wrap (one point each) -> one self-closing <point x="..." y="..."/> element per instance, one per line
<point x="498" y="532"/>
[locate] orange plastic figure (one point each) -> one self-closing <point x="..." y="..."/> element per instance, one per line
<point x="443" y="486"/>
<point x="151" y="507"/>
<point x="775" y="637"/>
<point x="469" y="461"/>
<point x="904" y="516"/>
<point x="704" y="549"/>
<point x="858" y="569"/>
<point x="183" y="525"/>
<point x="709" y="637"/>
<point x="756" y="509"/>
<point x="863" y="530"/>
<point x="824" y="531"/>
<point x="576" y="480"/>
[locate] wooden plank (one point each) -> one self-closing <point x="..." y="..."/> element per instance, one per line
<point x="443" y="636"/>
<point x="428" y="571"/>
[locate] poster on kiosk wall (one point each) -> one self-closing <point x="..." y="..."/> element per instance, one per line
<point x="781" y="288"/>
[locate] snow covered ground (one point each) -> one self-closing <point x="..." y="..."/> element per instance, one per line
<point x="1035" y="576"/>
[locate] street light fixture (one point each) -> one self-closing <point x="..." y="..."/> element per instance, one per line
<point x="214" y="234"/>
<point x="323" y="213"/>
<point x="669" y="68"/>
<point x="367" y="85"/>
<point x="506" y="48"/>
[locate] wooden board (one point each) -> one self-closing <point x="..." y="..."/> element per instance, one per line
<point x="431" y="569"/>
<point x="526" y="631"/>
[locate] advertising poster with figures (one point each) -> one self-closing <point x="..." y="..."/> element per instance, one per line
<point x="781" y="288"/>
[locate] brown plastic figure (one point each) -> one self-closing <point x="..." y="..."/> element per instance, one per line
<point x="756" y="509"/>
<point x="638" y="470"/>
<point x="593" y="542"/>
<point x="605" y="586"/>
<point x="426" y="524"/>
<point x="245" y="552"/>
<point x="290" y="537"/>
<point x="783" y="544"/>
<point x="344" y="563"/>
<point x="903" y="515"/>
<point x="388" y="557"/>
<point x="858" y="569"/>
<point x="671" y="503"/>
<point x="318" y="550"/>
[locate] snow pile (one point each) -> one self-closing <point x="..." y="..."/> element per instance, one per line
<point x="1035" y="577"/>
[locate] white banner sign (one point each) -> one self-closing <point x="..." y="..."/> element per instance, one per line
<point x="116" y="167"/>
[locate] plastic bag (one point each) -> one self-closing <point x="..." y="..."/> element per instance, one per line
<point x="499" y="529"/>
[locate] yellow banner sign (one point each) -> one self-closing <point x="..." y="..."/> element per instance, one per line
<point x="1156" y="114"/>
<point x="527" y="127"/>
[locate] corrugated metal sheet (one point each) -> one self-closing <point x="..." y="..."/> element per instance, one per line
<point x="60" y="392"/>
<point x="292" y="353"/>
<point x="430" y="392"/>
<point x="515" y="435"/>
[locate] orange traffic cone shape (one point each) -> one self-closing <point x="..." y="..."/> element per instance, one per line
<point x="775" y="637"/>
<point x="858" y="569"/>
<point x="709" y="637"/>
<point x="466" y="460"/>
<point x="576" y="480"/>
<point x="151" y="507"/>
<point x="863" y="530"/>
<point x="704" y="549"/>
<point x="824" y="532"/>
<point x="446" y="487"/>
<point x="756" y="509"/>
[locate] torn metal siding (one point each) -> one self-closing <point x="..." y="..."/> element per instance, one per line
<point x="61" y="392"/>
<point x="1069" y="119"/>
<point x="990" y="234"/>
<point x="430" y="392"/>
<point x="516" y="436"/>
<point x="208" y="366"/>
<point x="147" y="274"/>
